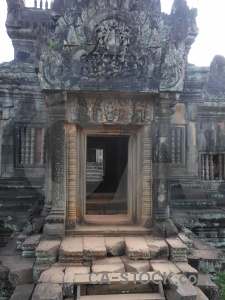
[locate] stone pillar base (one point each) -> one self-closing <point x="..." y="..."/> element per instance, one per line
<point x="164" y="229"/>
<point x="53" y="231"/>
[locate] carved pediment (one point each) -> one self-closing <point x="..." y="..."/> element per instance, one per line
<point x="103" y="47"/>
<point x="114" y="45"/>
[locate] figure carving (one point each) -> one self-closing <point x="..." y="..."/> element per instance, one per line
<point x="121" y="111"/>
<point x="111" y="57"/>
<point x="110" y="110"/>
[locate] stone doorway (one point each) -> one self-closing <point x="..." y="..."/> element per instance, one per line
<point x="106" y="175"/>
<point x="112" y="197"/>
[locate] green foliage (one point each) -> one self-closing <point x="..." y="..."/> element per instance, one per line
<point x="219" y="279"/>
<point x="53" y="45"/>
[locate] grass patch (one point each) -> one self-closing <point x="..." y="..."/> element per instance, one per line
<point x="219" y="280"/>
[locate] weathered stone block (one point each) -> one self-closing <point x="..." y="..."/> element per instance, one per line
<point x="178" y="250"/>
<point x="46" y="291"/>
<point x="68" y="284"/>
<point x="170" y="229"/>
<point x="165" y="267"/>
<point x="135" y="265"/>
<point x="137" y="248"/>
<point x="186" y="241"/>
<point x="30" y="244"/>
<point x="181" y="288"/>
<point x="208" y="287"/>
<point x="20" y="269"/>
<point x="207" y="261"/>
<point x="47" y="251"/>
<point x="108" y="265"/>
<point x="188" y="271"/>
<point x="38" y="269"/>
<point x="94" y="248"/>
<point x="23" y="292"/>
<point x="53" y="275"/>
<point x="158" y="248"/>
<point x="115" y="246"/>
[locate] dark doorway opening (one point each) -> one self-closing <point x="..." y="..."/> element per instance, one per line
<point x="106" y="175"/>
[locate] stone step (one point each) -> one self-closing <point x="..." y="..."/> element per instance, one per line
<point x="115" y="246"/>
<point x="47" y="251"/>
<point x="30" y="244"/>
<point x="178" y="250"/>
<point x="108" y="265"/>
<point x="109" y="231"/>
<point x="164" y="267"/>
<point x="135" y="265"/>
<point x="68" y="281"/>
<point x="206" y="261"/>
<point x="47" y="291"/>
<point x="71" y="249"/>
<point x="181" y="288"/>
<point x="136" y="248"/>
<point x="21" y="269"/>
<point x="184" y="239"/>
<point x="188" y="271"/>
<point x="158" y="248"/>
<point x="154" y="296"/>
<point x="208" y="287"/>
<point x="53" y="275"/>
<point x="94" y="248"/>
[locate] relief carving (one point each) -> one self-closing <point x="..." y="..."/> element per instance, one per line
<point x="92" y="110"/>
<point x="111" y="57"/>
<point x="110" y="110"/>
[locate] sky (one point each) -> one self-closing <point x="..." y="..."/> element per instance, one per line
<point x="210" y="20"/>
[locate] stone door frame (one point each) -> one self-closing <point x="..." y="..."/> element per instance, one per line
<point x="133" y="163"/>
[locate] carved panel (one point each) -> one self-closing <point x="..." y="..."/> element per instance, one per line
<point x="100" y="110"/>
<point x="104" y="45"/>
<point x="146" y="177"/>
<point x="58" y="164"/>
<point x="72" y="177"/>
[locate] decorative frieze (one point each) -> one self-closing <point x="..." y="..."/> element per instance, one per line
<point x="109" y="110"/>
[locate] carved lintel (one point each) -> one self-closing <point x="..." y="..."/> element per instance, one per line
<point x="109" y="110"/>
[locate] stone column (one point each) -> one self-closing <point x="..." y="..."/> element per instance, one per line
<point x="162" y="227"/>
<point x="48" y="173"/>
<point x="56" y="188"/>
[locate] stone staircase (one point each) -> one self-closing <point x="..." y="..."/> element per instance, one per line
<point x="94" y="171"/>
<point x="20" y="203"/>
<point x="207" y="224"/>
<point x="35" y="268"/>
<point x="195" y="193"/>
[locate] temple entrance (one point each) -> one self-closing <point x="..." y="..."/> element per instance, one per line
<point x="106" y="175"/>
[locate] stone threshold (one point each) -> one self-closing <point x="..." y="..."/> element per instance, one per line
<point x="107" y="219"/>
<point x="111" y="231"/>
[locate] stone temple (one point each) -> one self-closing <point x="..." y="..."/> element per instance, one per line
<point x="112" y="154"/>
